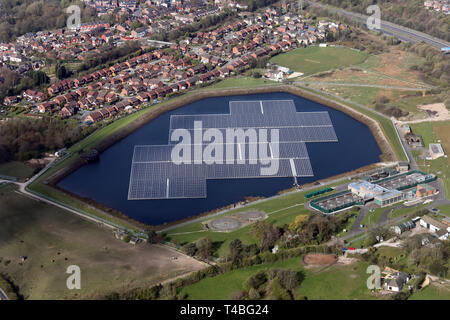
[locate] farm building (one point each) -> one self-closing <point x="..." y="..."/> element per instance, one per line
<point x="441" y="230"/>
<point x="397" y="282"/>
<point x="402" y="227"/>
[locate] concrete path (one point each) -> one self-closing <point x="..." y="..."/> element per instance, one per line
<point x="362" y="213"/>
<point x="3" y="295"/>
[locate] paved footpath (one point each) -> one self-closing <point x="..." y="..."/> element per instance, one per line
<point x="3" y="295"/>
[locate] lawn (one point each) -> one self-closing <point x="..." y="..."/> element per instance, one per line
<point x="432" y="132"/>
<point x="240" y="82"/>
<point x="406" y="211"/>
<point x="52" y="239"/>
<point x="432" y="292"/>
<point x="16" y="169"/>
<point x="445" y="210"/>
<point x="386" y="126"/>
<point x="372" y="218"/>
<point x="314" y="59"/>
<point x="335" y="282"/>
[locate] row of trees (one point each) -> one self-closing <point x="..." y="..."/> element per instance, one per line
<point x="14" y="84"/>
<point x="23" y="139"/>
<point x="436" y="65"/>
<point x="23" y="16"/>
<point x="108" y="54"/>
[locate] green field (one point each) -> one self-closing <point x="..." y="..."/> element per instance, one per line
<point x="336" y="282"/>
<point x="16" y="169"/>
<point x="386" y="126"/>
<point x="432" y="292"/>
<point x="372" y="218"/>
<point x="432" y="132"/>
<point x="311" y="60"/>
<point x="445" y="210"/>
<point x="240" y="82"/>
<point x="52" y="239"/>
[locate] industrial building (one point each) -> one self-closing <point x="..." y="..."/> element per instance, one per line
<point x="381" y="195"/>
<point x="388" y="198"/>
<point x="423" y="191"/>
<point x="384" y="191"/>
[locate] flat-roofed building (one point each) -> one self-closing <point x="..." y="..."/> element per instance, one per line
<point x="388" y="198"/>
<point x="436" y="150"/>
<point x="365" y="189"/>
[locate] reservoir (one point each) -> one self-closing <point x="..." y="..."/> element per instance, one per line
<point x="107" y="180"/>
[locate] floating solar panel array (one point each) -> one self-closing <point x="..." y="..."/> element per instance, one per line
<point x="155" y="174"/>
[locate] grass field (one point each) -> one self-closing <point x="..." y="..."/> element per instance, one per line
<point x="53" y="239"/>
<point x="445" y="210"/>
<point x="432" y="132"/>
<point x="240" y="82"/>
<point x="386" y="126"/>
<point x="432" y="292"/>
<point x="16" y="169"/>
<point x="311" y="60"/>
<point x="372" y="218"/>
<point x="339" y="282"/>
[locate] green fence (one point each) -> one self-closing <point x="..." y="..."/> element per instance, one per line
<point x="318" y="192"/>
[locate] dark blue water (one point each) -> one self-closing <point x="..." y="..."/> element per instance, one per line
<point x="106" y="181"/>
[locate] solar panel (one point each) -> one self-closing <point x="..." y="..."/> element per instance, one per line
<point x="154" y="174"/>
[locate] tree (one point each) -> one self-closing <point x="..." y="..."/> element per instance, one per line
<point x="267" y="234"/>
<point x="204" y="248"/>
<point x="288" y="279"/>
<point x="152" y="237"/>
<point x="299" y="222"/>
<point x="235" y="250"/>
<point x="61" y="71"/>
<point x="256" y="280"/>
<point x="190" y="249"/>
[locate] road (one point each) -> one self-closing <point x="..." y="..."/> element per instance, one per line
<point x="3" y="295"/>
<point x="402" y="33"/>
